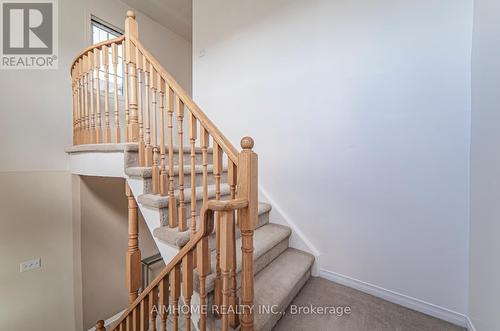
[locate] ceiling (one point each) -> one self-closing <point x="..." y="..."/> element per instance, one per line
<point x="175" y="15"/>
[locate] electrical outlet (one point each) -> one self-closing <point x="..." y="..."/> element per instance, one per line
<point x="31" y="264"/>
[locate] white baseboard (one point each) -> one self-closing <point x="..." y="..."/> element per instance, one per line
<point x="470" y="326"/>
<point x="398" y="298"/>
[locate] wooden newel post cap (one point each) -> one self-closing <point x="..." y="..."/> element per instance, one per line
<point x="100" y="326"/>
<point x="130" y="14"/>
<point x="246" y="143"/>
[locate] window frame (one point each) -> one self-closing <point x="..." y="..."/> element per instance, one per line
<point x="103" y="25"/>
<point x="113" y="32"/>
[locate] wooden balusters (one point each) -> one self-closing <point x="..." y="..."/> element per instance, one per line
<point x="148" y="157"/>
<point x="232" y="172"/>
<point x="135" y="322"/>
<point x="204" y="148"/>
<point x="133" y="256"/>
<point x="131" y="30"/>
<point x="127" y="324"/>
<point x="86" y="101"/>
<point x="90" y="70"/>
<point x="163" y="302"/>
<point x="76" y="85"/>
<point x="114" y="50"/>
<point x="105" y="62"/>
<point x="125" y="93"/>
<point x="227" y="248"/>
<point x="192" y="140"/>
<point x="175" y="291"/>
<point x="182" y="208"/>
<point x="153" y="307"/>
<point x="172" y="204"/>
<point x="131" y="66"/>
<point x="73" y="88"/>
<point x="247" y="219"/>
<point x="234" y="320"/>
<point x="73" y="95"/>
<point x="133" y="121"/>
<point x="144" y="313"/>
<point x="217" y="167"/>
<point x="163" y="166"/>
<point x="203" y="267"/>
<point x="155" y="169"/>
<point x="81" y="97"/>
<point x="141" y="145"/>
<point x="97" y="66"/>
<point x="187" y="287"/>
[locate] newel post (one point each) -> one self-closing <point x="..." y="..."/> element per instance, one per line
<point x="131" y="30"/>
<point x="247" y="219"/>
<point x="100" y="326"/>
<point x="133" y="255"/>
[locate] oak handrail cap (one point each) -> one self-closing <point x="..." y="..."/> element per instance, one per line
<point x="130" y="14"/>
<point x="227" y="205"/>
<point x="247" y="143"/>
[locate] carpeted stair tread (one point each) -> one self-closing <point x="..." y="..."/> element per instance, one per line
<point x="270" y="241"/>
<point x="159" y="201"/>
<point x="174" y="237"/>
<point x="278" y="283"/>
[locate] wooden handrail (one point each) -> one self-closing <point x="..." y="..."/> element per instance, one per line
<point x="219" y="137"/>
<point x="227" y="205"/>
<point x="117" y="40"/>
<point x="206" y="228"/>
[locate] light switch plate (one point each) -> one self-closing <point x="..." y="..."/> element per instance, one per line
<point x="31" y="264"/>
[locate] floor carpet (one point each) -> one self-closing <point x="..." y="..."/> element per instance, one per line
<point x="352" y="311"/>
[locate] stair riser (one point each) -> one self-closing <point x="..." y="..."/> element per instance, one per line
<point x="132" y="159"/>
<point x="148" y="188"/>
<point x="274" y="318"/>
<point x="259" y="264"/>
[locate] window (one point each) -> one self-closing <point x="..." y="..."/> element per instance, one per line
<point x="102" y="31"/>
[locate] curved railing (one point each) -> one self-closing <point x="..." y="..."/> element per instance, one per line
<point x="121" y="93"/>
<point x="93" y="117"/>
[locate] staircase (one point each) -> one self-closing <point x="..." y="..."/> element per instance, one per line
<point x="198" y="197"/>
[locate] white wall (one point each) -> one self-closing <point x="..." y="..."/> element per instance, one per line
<point x="361" y="115"/>
<point x="484" y="293"/>
<point x="36" y="222"/>
<point x="104" y="229"/>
